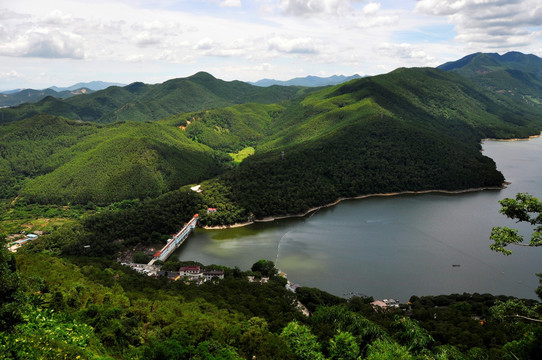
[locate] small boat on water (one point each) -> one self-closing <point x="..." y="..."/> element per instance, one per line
<point x="456" y="265"/>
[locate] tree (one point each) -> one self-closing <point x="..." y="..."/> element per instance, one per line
<point x="264" y="267"/>
<point x="301" y="341"/>
<point x="524" y="208"/>
<point x="343" y="347"/>
<point x="528" y="209"/>
<point x="11" y="295"/>
<point x="411" y="334"/>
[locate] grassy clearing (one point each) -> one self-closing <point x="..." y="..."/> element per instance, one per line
<point x="242" y="155"/>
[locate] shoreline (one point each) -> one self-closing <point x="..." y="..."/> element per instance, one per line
<point x="311" y="210"/>
<point x="339" y="200"/>
<point x="513" y="139"/>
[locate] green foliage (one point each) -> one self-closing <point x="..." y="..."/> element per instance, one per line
<point x="312" y="298"/>
<point x="466" y="321"/>
<point x="516" y="310"/>
<point x="105" y="233"/>
<point x="96" y="308"/>
<point x="387" y="350"/>
<point x="11" y="295"/>
<point x="410" y="334"/>
<point x="53" y="160"/>
<point x="265" y="268"/>
<point x="228" y="129"/>
<point x="524" y="208"/>
<point x="45" y="335"/>
<point x="343" y="347"/>
<point x="300" y="340"/>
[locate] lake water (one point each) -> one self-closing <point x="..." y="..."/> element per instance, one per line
<point x="395" y="247"/>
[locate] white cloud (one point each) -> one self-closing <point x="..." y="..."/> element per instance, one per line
<point x="406" y="52"/>
<point x="45" y="43"/>
<point x="377" y="21"/>
<point x="204" y="44"/>
<point x="57" y="17"/>
<point x="147" y="38"/>
<point x="230" y="3"/>
<point x="10" y="75"/>
<point x="489" y="24"/>
<point x="292" y="45"/>
<point x="306" y="8"/>
<point x="371" y="8"/>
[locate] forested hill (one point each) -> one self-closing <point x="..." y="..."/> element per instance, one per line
<point x="412" y="129"/>
<point x="142" y="102"/>
<point x="514" y="74"/>
<point x="48" y="160"/>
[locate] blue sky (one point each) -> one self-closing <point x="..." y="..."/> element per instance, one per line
<point x="62" y="42"/>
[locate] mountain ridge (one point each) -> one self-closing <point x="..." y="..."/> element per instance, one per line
<point x="309" y="81"/>
<point x="143" y="102"/>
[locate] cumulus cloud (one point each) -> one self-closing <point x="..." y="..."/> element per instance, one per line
<point x="204" y="44"/>
<point x="405" y="51"/>
<point x="6" y="14"/>
<point x="147" y="38"/>
<point x="57" y="17"/>
<point x="45" y="43"/>
<point x="10" y="75"/>
<point x="489" y="23"/>
<point x="306" y="8"/>
<point x="292" y="45"/>
<point x="371" y="8"/>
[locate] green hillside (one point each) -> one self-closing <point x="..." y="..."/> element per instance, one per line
<point x="141" y="102"/>
<point x="514" y="74"/>
<point x="228" y="129"/>
<point x="412" y="129"/>
<point x="55" y="160"/>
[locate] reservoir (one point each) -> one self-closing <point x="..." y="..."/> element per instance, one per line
<point x="396" y="246"/>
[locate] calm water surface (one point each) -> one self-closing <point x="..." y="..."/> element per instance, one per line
<point x="395" y="246"/>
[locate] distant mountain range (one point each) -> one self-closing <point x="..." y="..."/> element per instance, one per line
<point x="33" y="96"/>
<point x="309" y="81"/>
<point x="92" y="85"/>
<point x="21" y="96"/>
<point x="143" y="102"/>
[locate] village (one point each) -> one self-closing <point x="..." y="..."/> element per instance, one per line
<point x="21" y="239"/>
<point x="191" y="274"/>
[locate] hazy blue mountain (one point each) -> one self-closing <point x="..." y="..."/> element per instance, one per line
<point x="13" y="98"/>
<point x="10" y="91"/>
<point x="310" y="81"/>
<point x="92" y="85"/>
